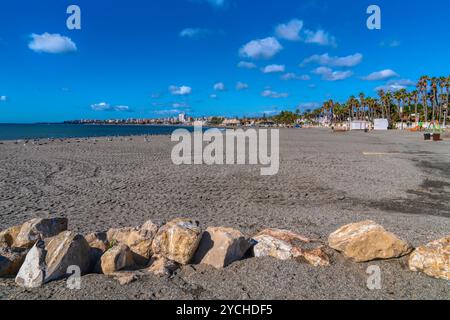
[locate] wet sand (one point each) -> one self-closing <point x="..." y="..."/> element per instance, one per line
<point x="325" y="180"/>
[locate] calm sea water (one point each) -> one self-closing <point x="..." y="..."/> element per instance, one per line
<point x="40" y="131"/>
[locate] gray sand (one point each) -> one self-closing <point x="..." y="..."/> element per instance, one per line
<point x="325" y="181"/>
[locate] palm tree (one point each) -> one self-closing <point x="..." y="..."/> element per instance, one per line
<point x="423" y="88"/>
<point x="433" y="99"/>
<point x="415" y="100"/>
<point x="398" y="95"/>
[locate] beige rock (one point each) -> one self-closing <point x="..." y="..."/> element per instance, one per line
<point x="268" y="246"/>
<point x="11" y="260"/>
<point x="432" y="259"/>
<point x="98" y="240"/>
<point x="50" y="259"/>
<point x="8" y="236"/>
<point x="316" y="257"/>
<point x="98" y="244"/>
<point x="39" y="229"/>
<point x="286" y="245"/>
<point x="161" y="266"/>
<point x="220" y="247"/>
<point x="178" y="240"/>
<point x="138" y="239"/>
<point x="367" y="241"/>
<point x="117" y="258"/>
<point x="64" y="250"/>
<point x="285" y="235"/>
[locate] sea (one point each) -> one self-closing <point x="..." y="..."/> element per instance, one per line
<point x="60" y="131"/>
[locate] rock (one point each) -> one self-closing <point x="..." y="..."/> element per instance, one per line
<point x="178" y="240"/>
<point x="117" y="258"/>
<point x="220" y="247"/>
<point x="64" y="250"/>
<point x="11" y="260"/>
<point x="39" y="229"/>
<point x="316" y="257"/>
<point x="161" y="266"/>
<point x="432" y="259"/>
<point x="49" y="260"/>
<point x="98" y="244"/>
<point x="32" y="272"/>
<point x="268" y="246"/>
<point x="285" y="235"/>
<point x="8" y="236"/>
<point x="98" y="240"/>
<point x="367" y="241"/>
<point x="287" y="245"/>
<point x="138" y="239"/>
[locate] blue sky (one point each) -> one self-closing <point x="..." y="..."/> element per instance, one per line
<point x="134" y="59"/>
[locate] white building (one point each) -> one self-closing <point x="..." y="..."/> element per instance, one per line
<point x="182" y="117"/>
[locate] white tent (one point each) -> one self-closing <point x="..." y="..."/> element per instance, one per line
<point x="359" y="125"/>
<point x="380" y="124"/>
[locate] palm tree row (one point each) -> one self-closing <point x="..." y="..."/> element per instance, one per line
<point x="428" y="102"/>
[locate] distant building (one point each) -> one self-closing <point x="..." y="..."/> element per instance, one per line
<point x="182" y="117"/>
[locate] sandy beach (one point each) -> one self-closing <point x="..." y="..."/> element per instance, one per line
<point x="325" y="180"/>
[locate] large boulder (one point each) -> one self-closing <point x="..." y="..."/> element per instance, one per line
<point x="32" y="271"/>
<point x="117" y="258"/>
<point x="39" y="229"/>
<point x="220" y="247"/>
<point x="64" y="250"/>
<point x="138" y="239"/>
<point x="48" y="261"/>
<point x="366" y="241"/>
<point x="8" y="236"/>
<point x="11" y="260"/>
<point x="432" y="259"/>
<point x="178" y="240"/>
<point x="286" y="245"/>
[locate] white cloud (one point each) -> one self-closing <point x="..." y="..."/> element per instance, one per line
<point x="168" y="112"/>
<point x="395" y="85"/>
<point x="273" y="68"/>
<point x="51" y="43"/>
<point x="290" y="31"/>
<point x="194" y="32"/>
<point x="122" y="108"/>
<point x="103" y="106"/>
<point x="320" y="37"/>
<point x="241" y="86"/>
<point x="213" y="96"/>
<point x="381" y="75"/>
<point x="246" y="65"/>
<point x="180" y="91"/>
<point x="3" y="98"/>
<point x="220" y="86"/>
<point x="273" y="94"/>
<point x="261" y="48"/>
<point x="326" y="60"/>
<point x="330" y="75"/>
<point x="293" y="76"/>
<point x="308" y="105"/>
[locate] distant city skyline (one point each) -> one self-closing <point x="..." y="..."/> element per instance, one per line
<point x="159" y="59"/>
